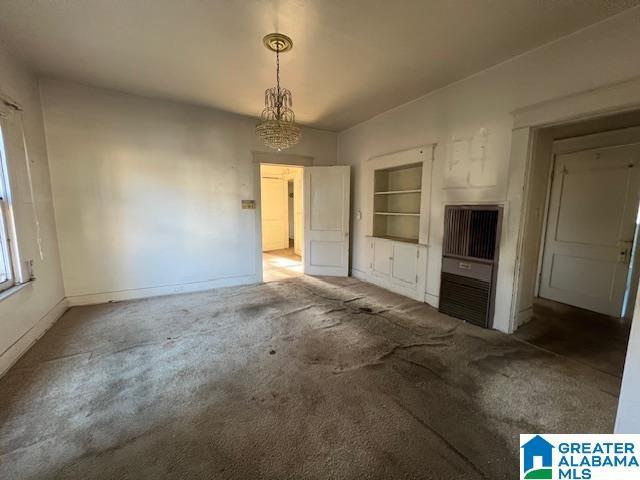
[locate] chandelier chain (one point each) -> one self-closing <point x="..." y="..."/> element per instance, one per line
<point x="278" y="67"/>
<point x="278" y="76"/>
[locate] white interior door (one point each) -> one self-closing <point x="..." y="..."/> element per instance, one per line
<point x="326" y="220"/>
<point x="591" y="224"/>
<point x="274" y="211"/>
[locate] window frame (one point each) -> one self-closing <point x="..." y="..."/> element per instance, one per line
<point x="6" y="250"/>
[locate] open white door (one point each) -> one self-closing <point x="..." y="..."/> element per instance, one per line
<point x="326" y="220"/>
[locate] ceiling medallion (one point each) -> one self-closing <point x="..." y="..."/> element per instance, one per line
<point x="277" y="128"/>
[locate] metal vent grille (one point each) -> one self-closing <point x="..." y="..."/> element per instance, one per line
<point x="465" y="298"/>
<point x="470" y="261"/>
<point x="456" y="231"/>
<point x="470" y="231"/>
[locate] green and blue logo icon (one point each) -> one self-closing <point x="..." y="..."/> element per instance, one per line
<point x="537" y="459"/>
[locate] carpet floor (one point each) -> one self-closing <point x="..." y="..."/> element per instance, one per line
<point x="307" y="378"/>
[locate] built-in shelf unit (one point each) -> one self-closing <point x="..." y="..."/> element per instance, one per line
<point x="397" y="201"/>
<point x="396" y="221"/>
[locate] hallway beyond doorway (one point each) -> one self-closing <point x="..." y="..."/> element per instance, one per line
<point x="281" y="264"/>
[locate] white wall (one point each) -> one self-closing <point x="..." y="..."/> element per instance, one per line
<point x="25" y="315"/>
<point x="600" y="55"/>
<point x="148" y="192"/>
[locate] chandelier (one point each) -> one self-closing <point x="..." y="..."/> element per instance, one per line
<point x="277" y="128"/>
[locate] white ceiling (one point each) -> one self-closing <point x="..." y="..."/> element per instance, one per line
<point x="352" y="59"/>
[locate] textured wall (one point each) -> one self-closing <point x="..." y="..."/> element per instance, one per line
<point x="148" y="192"/>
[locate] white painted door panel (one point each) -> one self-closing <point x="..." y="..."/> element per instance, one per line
<point x="274" y="208"/>
<point x="591" y="224"/>
<point x="404" y="266"/>
<point x="326" y="220"/>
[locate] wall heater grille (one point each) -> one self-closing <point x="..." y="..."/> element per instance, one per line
<point x="470" y="261"/>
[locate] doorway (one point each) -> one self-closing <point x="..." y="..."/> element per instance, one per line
<point x="578" y="274"/>
<point x="282" y="219"/>
<point x="321" y="196"/>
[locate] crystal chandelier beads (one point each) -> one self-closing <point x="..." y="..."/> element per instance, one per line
<point x="277" y="128"/>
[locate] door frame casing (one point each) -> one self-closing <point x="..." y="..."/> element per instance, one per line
<point x="260" y="157"/>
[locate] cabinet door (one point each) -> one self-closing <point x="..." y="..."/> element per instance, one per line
<point x="404" y="267"/>
<point x="381" y="257"/>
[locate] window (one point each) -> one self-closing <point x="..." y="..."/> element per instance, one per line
<point x="7" y="278"/>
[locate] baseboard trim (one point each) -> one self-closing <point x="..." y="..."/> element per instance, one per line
<point x="117" y="296"/>
<point x="433" y="300"/>
<point x="359" y="274"/>
<point x="524" y="316"/>
<point x="21" y="346"/>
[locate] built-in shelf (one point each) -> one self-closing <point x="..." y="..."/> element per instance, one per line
<point x="398" y="192"/>
<point x="401" y="214"/>
<point x="398" y="239"/>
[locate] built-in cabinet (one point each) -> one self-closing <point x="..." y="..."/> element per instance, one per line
<point x="398" y="266"/>
<point x="397" y="220"/>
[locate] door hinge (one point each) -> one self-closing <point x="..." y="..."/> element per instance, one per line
<point x="417" y="253"/>
<point x="416" y="278"/>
